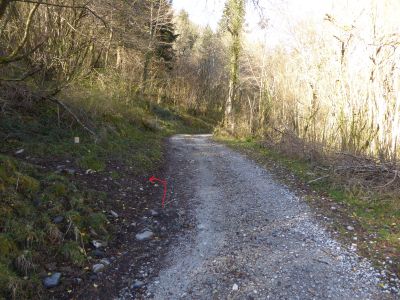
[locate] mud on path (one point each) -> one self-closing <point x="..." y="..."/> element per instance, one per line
<point x="250" y="237"/>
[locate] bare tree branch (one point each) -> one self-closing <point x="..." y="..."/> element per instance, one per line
<point x="85" y="7"/>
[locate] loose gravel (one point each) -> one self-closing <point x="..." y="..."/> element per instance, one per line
<point x="252" y="237"/>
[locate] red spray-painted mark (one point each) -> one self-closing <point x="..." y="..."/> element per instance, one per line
<point x="153" y="180"/>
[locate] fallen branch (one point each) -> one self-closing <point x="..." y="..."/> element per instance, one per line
<point x="63" y="105"/>
<point x="391" y="181"/>
<point x="23" y="77"/>
<point x="318" y="179"/>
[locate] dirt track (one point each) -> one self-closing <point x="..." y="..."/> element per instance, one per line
<point x="252" y="238"/>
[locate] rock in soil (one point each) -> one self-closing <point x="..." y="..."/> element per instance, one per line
<point x="154" y="213"/>
<point x="58" y="219"/>
<point x="145" y="235"/>
<point x="97" y="244"/>
<point x="105" y="262"/>
<point x="52" y="281"/>
<point x="98" y="253"/>
<point x="137" y="284"/>
<point x="114" y="214"/>
<point x="97" y="268"/>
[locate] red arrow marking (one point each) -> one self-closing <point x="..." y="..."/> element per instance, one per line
<point x="153" y="180"/>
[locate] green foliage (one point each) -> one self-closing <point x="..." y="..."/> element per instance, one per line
<point x="188" y="34"/>
<point x="28" y="233"/>
<point x="91" y="161"/>
<point x="73" y="252"/>
<point x="9" y="282"/>
<point x="7" y="246"/>
<point x="98" y="221"/>
<point x="234" y="16"/>
<point x="31" y="197"/>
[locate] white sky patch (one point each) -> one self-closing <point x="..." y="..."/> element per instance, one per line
<point x="283" y="15"/>
<point x="202" y="12"/>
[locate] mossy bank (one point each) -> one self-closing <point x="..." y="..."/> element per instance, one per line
<point x="47" y="216"/>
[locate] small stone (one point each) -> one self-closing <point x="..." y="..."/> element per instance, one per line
<point x="89" y="171"/>
<point x="350" y="228"/>
<point x="235" y="287"/>
<point x="97" y="244"/>
<point x="93" y="277"/>
<point x="114" y="214"/>
<point x="137" y="284"/>
<point x="154" y="213"/>
<point x="98" y="253"/>
<point x="333" y="208"/>
<point x="97" y="268"/>
<point x="105" y="261"/>
<point x="58" y="219"/>
<point x="52" y="281"/>
<point x="145" y="235"/>
<point x="70" y="171"/>
<point x="20" y="151"/>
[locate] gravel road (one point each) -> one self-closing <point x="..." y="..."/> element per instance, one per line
<point x="252" y="237"/>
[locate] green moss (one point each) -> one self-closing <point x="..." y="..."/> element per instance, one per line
<point x="22" y="209"/>
<point x="337" y="194"/>
<point x="27" y="184"/>
<point x="52" y="178"/>
<point x="30" y="197"/>
<point x="91" y="161"/>
<point x="7" y="246"/>
<point x="73" y="252"/>
<point x="25" y="234"/>
<point x="77" y="203"/>
<point x="76" y="218"/>
<point x="9" y="282"/>
<point x="6" y="167"/>
<point x="58" y="189"/>
<point x="115" y="175"/>
<point x="98" y="221"/>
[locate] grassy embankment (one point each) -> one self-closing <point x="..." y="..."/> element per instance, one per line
<point x="376" y="213"/>
<point x="37" y="142"/>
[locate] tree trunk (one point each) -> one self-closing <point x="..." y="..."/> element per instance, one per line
<point x="233" y="83"/>
<point x="119" y="57"/>
<point x="146" y="66"/>
<point x="235" y="10"/>
<point x="108" y="48"/>
<point x="229" y="123"/>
